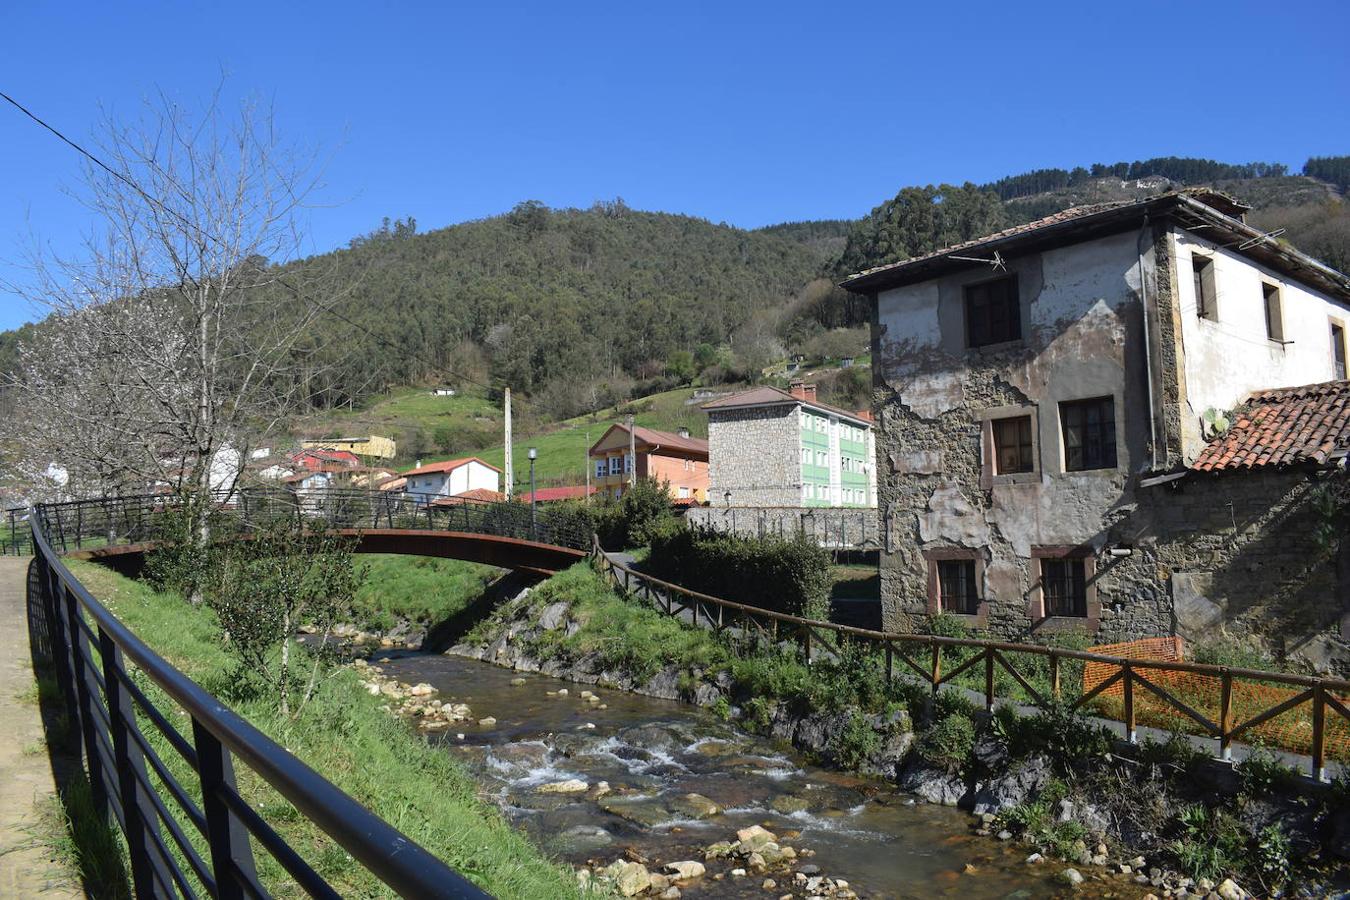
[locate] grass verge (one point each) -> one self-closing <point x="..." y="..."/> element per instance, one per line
<point x="421" y="589"/>
<point x="343" y="734"/>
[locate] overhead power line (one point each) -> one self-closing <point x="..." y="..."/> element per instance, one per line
<point x="281" y="279"/>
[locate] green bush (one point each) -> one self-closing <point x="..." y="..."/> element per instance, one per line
<point x="1261" y="773"/>
<point x="787" y="576"/>
<point x="949" y="742"/>
<point x="633" y="520"/>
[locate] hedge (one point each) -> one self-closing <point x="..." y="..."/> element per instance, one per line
<point x="784" y="575"/>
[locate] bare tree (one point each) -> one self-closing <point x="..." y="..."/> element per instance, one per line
<point x="173" y="339"/>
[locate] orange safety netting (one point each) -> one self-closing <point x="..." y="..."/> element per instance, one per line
<point x="1291" y="730"/>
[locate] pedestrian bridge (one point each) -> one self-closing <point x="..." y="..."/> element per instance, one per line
<point x="119" y="531"/>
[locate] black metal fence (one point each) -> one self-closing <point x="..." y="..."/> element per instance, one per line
<point x="112" y="521"/>
<point x="15" y="536"/>
<point x="195" y="836"/>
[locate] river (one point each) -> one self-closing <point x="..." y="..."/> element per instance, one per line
<point x="654" y="752"/>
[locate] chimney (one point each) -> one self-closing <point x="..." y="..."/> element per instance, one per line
<point x="803" y="391"/>
<point x="682" y="431"/>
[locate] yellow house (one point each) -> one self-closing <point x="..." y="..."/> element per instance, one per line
<point x="372" y="446"/>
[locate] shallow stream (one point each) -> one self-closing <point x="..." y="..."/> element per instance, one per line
<point x="654" y="752"/>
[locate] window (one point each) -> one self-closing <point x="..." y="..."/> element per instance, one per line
<point x="822" y="458"/>
<point x="600" y="468"/>
<point x="1064" y="586"/>
<point x="1202" y="271"/>
<point x="806" y="456"/>
<point x="1274" y="319"/>
<point x="684" y="493"/>
<point x="993" y="315"/>
<point x="1089" y="434"/>
<point x="627" y="463"/>
<point x="1338" y="350"/>
<point x="956" y="586"/>
<point x="1012" y="445"/>
<point x="616" y="465"/>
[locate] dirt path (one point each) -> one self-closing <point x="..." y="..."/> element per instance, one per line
<point x="26" y="784"/>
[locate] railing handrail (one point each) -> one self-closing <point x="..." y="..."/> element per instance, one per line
<point x="397" y="860"/>
<point x="981" y="644"/>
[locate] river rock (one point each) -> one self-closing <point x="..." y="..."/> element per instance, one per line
<point x="421" y="690"/>
<point x="686" y="869"/>
<point x="553" y="616"/>
<point x="642" y="810"/>
<point x="787" y="804"/>
<point x="629" y="877"/>
<point x="517" y="682"/>
<point x="582" y="839"/>
<point x="1071" y="877"/>
<point x="695" y="806"/>
<point x="1229" y="890"/>
<point x="934" y="785"/>
<point x="1014" y="786"/>
<point x="487" y="721"/>
<point x="754" y="837"/>
<point x="569" y="786"/>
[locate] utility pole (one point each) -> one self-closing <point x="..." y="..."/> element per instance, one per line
<point x="632" y="454"/>
<point x="508" y="467"/>
<point x="587" y="469"/>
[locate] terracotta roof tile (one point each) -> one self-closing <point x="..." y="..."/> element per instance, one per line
<point x="1283" y="427"/>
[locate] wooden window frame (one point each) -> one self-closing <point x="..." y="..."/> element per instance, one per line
<point x="1272" y="302"/>
<point x="989" y="474"/>
<point x="1110" y="402"/>
<point x="1205" y="286"/>
<point x="1014" y="320"/>
<point x="937" y="555"/>
<point x="1036" y="606"/>
<point x="1333" y="324"/>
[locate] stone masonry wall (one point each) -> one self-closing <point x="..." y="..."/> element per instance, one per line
<point x="838" y="527"/>
<point x="755" y="454"/>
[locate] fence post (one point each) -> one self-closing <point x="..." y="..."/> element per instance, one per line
<point x="989" y="679"/>
<point x="806" y="643"/>
<point x="225" y="834"/>
<point x="1225" y="716"/>
<point x="138" y="816"/>
<point x="890" y="653"/>
<point x="1319" y="732"/>
<point x="1054" y="677"/>
<point x="937" y="666"/>
<point x="84" y="694"/>
<point x="1129" y="703"/>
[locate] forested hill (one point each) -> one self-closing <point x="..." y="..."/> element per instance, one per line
<point x="543" y="299"/>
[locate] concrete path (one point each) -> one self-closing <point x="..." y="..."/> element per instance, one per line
<point x="27" y="789"/>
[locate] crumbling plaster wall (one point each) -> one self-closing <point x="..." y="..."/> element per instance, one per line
<point x="1082" y="329"/>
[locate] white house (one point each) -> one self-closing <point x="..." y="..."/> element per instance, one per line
<point x="446" y="479"/>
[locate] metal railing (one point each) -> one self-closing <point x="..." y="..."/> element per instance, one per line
<point x="178" y="845"/>
<point x="1132" y="677"/>
<point x="80" y="524"/>
<point x="15" y="535"/>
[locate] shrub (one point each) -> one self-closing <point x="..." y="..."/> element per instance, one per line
<point x="634" y="519"/>
<point x="789" y="576"/>
<point x="1261" y="773"/>
<point x="856" y="742"/>
<point x="949" y="742"/>
<point x="1210" y="845"/>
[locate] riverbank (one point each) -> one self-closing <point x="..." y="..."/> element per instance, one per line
<point x="1175" y="823"/>
<point x="344" y="734"/>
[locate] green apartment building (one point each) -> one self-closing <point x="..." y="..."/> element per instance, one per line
<point x="769" y="447"/>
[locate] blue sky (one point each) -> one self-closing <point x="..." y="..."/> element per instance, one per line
<point x="745" y="113"/>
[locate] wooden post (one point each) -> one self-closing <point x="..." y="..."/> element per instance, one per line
<point x="806" y="643"/>
<point x="1319" y="771"/>
<point x="890" y="653"/>
<point x="1226" y="716"/>
<point x="989" y="679"/>
<point x="1129" y="703"/>
<point x="937" y="666"/>
<point x="1054" y="677"/>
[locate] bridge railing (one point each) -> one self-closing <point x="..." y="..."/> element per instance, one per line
<point x="1121" y="687"/>
<point x="197" y="837"/>
<point x="82" y="524"/>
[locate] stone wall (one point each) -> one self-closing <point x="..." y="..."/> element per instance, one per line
<point x="851" y="528"/>
<point x="755" y="454"/>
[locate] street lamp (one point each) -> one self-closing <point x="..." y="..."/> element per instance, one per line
<point x="533" y="454"/>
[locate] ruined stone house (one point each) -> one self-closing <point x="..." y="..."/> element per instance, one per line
<point x="1048" y="404"/>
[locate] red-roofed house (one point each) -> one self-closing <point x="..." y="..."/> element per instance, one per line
<point x="315" y="460"/>
<point x="446" y="479"/>
<point x="674" y="457"/>
<point x="1052" y="409"/>
<point x="555" y="494"/>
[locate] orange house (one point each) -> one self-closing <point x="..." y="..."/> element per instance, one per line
<point x="674" y="457"/>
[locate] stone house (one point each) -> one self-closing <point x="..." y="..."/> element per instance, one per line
<point x="1044" y="396"/>
<point x="775" y="448"/>
<point x="677" y="458"/>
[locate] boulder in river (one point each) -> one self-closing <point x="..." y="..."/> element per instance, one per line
<point x="695" y="806"/>
<point x="686" y="869"/>
<point x="569" y="786"/>
<point x="629" y="877"/>
<point x="754" y="837"/>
